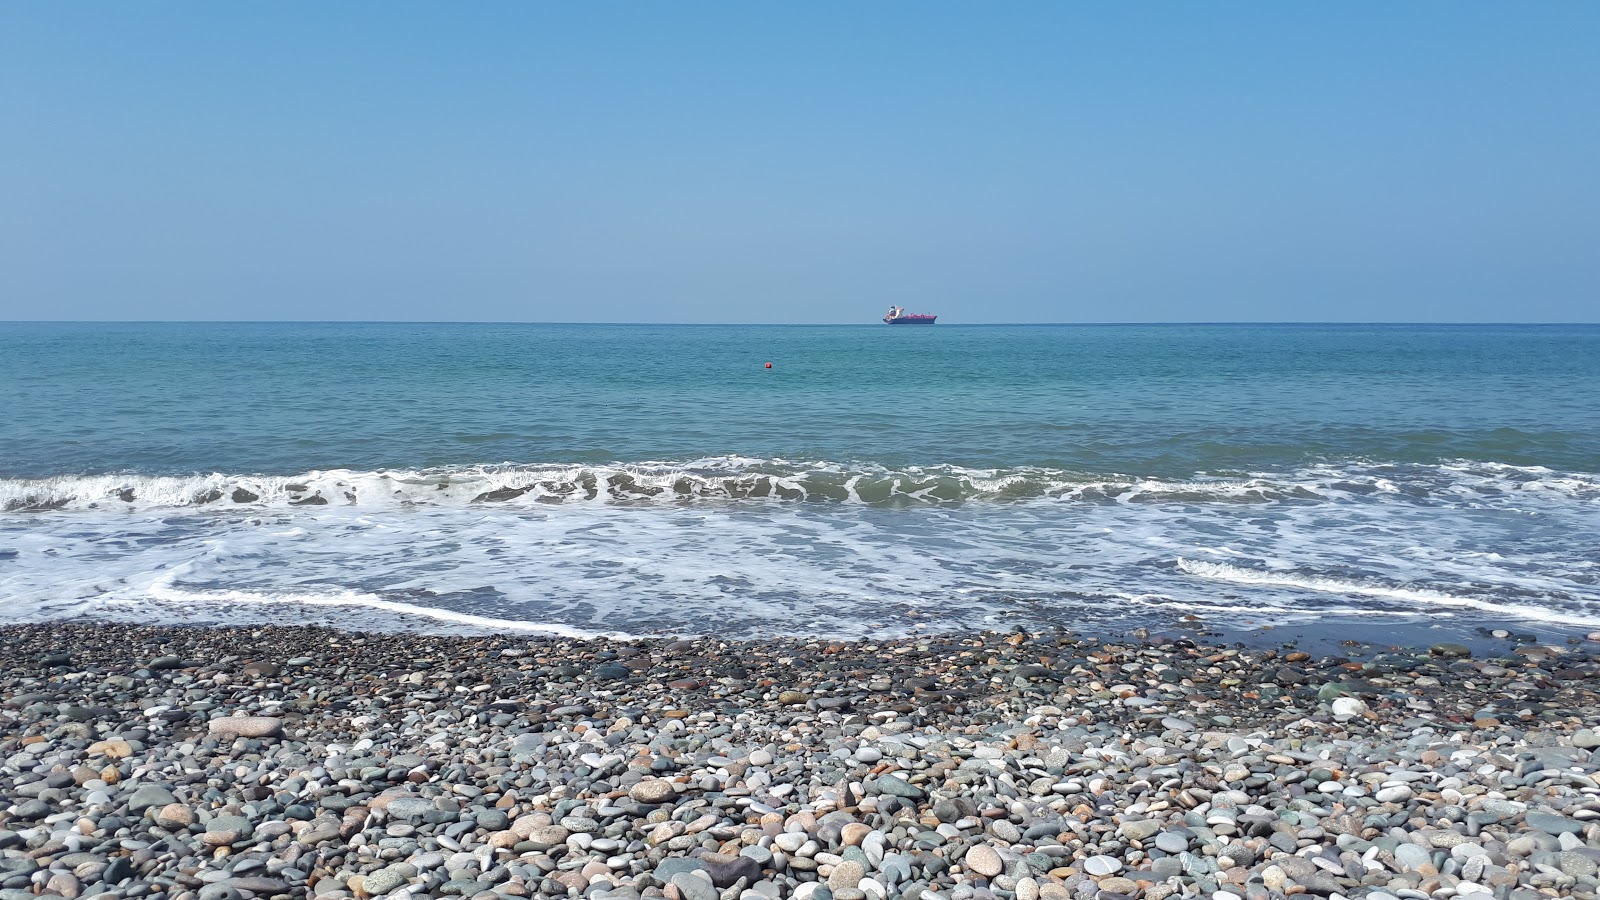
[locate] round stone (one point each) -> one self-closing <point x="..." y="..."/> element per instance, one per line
<point x="1140" y="829"/>
<point x="411" y="808"/>
<point x="985" y="861"/>
<point x="1005" y="831"/>
<point x="853" y="833"/>
<point x="381" y="882"/>
<point x="1396" y="794"/>
<point x="247" y="726"/>
<point x="1172" y="842"/>
<point x="1102" y="865"/>
<point x="1348" y="706"/>
<point x="846" y="876"/>
<point x="174" y="816"/>
<point x="548" y="835"/>
<point x="652" y="790"/>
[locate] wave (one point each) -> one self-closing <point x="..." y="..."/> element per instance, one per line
<point x="741" y="478"/>
<point x="165" y="591"/>
<point x="1416" y="597"/>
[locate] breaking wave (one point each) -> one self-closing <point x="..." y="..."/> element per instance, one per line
<point x="739" y="478"/>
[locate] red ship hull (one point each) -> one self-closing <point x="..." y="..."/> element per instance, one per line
<point x="910" y="320"/>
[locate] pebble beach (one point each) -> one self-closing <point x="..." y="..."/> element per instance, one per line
<point x="181" y="763"/>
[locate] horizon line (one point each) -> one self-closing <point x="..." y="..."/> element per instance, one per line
<point x="1396" y="323"/>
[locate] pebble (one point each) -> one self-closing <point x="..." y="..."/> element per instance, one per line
<point x="1102" y="865"/>
<point x="985" y="861"/>
<point x="1348" y="706"/>
<point x="847" y="874"/>
<point x="1396" y="794"/>
<point x="1411" y="857"/>
<point x="247" y="726"/>
<point x="382" y="882"/>
<point x="1172" y="842"/>
<point x="694" y="887"/>
<point x="1550" y="823"/>
<point x="652" y="791"/>
<point x="1139" y="830"/>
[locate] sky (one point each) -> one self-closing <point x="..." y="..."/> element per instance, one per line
<point x="762" y="162"/>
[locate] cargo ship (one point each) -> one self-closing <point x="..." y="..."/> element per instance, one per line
<point x="898" y="316"/>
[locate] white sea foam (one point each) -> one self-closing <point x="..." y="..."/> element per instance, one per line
<point x="1420" y="597"/>
<point x="165" y="593"/>
<point x="742" y="478"/>
<point x="868" y="551"/>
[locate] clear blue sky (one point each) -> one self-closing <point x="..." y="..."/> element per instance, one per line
<point x="692" y="162"/>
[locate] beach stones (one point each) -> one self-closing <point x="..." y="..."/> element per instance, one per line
<point x="1005" y="831"/>
<point x="1348" y="707"/>
<point x="411" y="809"/>
<point x="1172" y="842"/>
<point x="30" y="810"/>
<point x="148" y="796"/>
<point x="846" y="875"/>
<point x="175" y="816"/>
<point x="1411" y="857"/>
<point x="247" y="726"/>
<point x="895" y="786"/>
<point x="725" y="871"/>
<point x="1119" y="886"/>
<point x="1102" y="865"/>
<point x="1576" y="864"/>
<point x="1550" y="823"/>
<point x="495" y="765"/>
<point x="1395" y="794"/>
<point x="1139" y="829"/>
<point x="382" y="882"/>
<point x="983" y="860"/>
<point x="654" y="790"/>
<point x="114" y="748"/>
<point x="224" y="831"/>
<point x="694" y="886"/>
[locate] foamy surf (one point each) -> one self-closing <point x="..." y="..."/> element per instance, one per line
<point x="778" y="480"/>
<point x="751" y="546"/>
<point x="163" y="591"/>
<point x="1417" y="597"/>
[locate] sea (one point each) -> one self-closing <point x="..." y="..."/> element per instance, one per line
<point x="1392" y="483"/>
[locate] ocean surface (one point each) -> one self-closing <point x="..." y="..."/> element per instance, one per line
<point x="1387" y="481"/>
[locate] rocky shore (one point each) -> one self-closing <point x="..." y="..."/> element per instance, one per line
<point x="278" y="762"/>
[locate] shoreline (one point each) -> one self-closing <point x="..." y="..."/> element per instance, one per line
<point x="969" y="767"/>
<point x="1351" y="636"/>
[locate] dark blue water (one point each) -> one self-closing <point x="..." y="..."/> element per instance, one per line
<point x="875" y="479"/>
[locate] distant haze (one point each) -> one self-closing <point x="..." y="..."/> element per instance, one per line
<point x="800" y="163"/>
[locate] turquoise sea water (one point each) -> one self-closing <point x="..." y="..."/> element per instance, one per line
<point x="876" y="480"/>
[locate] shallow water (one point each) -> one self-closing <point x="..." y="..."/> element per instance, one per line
<point x="658" y="479"/>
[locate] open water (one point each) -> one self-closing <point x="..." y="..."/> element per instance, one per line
<point x="876" y="481"/>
